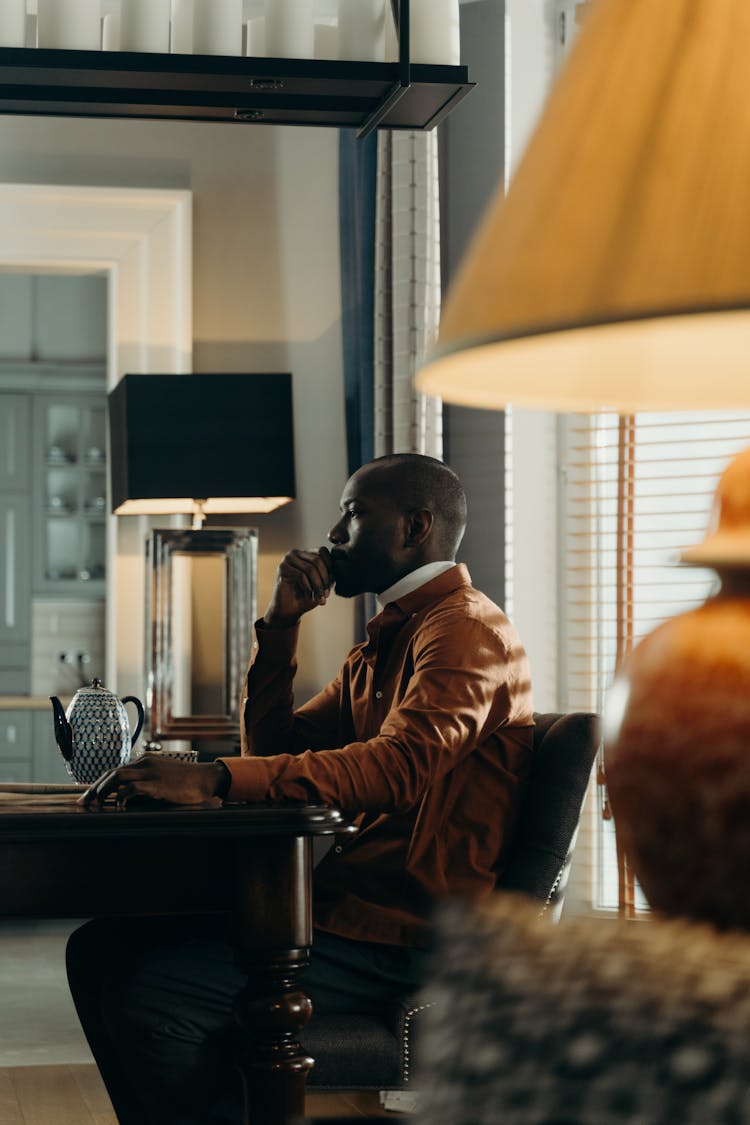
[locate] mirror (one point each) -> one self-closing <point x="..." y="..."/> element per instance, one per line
<point x="136" y="241"/>
<point x="200" y="604"/>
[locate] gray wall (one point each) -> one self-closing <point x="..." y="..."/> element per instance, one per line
<point x="472" y="148"/>
<point x="266" y="293"/>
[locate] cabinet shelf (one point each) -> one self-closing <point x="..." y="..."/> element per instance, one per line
<point x="361" y="95"/>
<point x="71" y="533"/>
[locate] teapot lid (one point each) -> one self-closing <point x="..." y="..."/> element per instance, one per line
<point x="97" y="686"/>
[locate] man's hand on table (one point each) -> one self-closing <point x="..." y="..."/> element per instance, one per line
<point x="179" y="783"/>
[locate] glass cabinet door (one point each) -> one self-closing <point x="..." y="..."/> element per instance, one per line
<point x="15" y="429"/>
<point x="72" y="492"/>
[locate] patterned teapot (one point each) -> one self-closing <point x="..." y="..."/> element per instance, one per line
<point x="94" y="734"/>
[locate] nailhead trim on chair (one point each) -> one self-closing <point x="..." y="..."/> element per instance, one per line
<point x="546" y="851"/>
<point x="406" y="1045"/>
<point x="409" y="1015"/>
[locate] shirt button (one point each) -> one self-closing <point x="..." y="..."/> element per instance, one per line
<point x="338" y="849"/>
<point x="378" y="695"/>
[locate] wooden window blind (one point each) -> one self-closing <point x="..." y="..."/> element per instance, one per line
<point x="634" y="492"/>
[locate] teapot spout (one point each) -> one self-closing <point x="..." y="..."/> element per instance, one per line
<point x="63" y="731"/>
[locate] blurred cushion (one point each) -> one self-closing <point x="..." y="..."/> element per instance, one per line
<point x="584" y="1023"/>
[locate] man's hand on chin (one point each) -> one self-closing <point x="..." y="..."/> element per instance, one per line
<point x="304" y="580"/>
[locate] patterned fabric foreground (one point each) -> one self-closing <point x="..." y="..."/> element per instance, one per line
<point x="584" y="1023"/>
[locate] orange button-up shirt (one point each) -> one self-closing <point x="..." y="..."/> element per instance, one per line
<point x="424" y="737"/>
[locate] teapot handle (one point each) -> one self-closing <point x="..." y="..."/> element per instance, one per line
<point x="141" y="715"/>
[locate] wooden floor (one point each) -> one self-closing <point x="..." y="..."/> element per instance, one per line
<point x="75" y="1095"/>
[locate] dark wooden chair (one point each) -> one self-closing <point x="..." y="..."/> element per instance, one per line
<point x="364" y="1052"/>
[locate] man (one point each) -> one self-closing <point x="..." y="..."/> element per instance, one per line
<point x="425" y="737"/>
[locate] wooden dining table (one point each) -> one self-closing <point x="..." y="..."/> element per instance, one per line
<point x="252" y="862"/>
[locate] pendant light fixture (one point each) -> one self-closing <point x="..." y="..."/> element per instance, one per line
<point x="616" y="273"/>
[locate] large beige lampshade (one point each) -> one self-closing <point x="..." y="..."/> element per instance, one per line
<point x="616" y="273"/>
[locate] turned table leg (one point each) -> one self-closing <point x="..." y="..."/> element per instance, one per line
<point x="272" y="938"/>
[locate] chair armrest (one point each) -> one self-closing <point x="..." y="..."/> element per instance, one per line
<point x="406" y="1023"/>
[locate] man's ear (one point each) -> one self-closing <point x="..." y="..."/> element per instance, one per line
<point x="418" y="527"/>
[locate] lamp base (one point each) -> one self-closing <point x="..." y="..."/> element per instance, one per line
<point x="199" y="728"/>
<point x="200" y="606"/>
<point x="677" y="758"/>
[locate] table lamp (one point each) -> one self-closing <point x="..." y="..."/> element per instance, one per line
<point x="199" y="445"/>
<point x="616" y="276"/>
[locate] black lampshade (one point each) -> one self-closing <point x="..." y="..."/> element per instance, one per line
<point x="224" y="440"/>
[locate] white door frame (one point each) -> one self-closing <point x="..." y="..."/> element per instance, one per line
<point x="141" y="239"/>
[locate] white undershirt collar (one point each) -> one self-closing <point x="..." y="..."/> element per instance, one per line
<point x="412" y="581"/>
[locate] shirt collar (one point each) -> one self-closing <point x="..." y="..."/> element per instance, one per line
<point x="412" y="581"/>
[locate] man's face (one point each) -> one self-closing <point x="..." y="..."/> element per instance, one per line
<point x="369" y="539"/>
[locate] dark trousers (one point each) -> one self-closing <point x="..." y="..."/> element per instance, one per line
<point x="156" y="1007"/>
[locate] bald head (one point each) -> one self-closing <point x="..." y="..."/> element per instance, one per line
<point x="414" y="481"/>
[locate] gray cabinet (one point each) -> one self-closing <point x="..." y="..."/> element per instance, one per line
<point x="28" y="751"/>
<point x="15" y="746"/>
<point x="51" y="318"/>
<point x="15" y="434"/>
<point x="15" y="594"/>
<point x="70" y="494"/>
<point x="16" y="316"/>
<point x="15" y="543"/>
<point x="70" y="318"/>
<point x="47" y="321"/>
<point x="47" y="763"/>
<point x="53" y="481"/>
<point x="53" y="513"/>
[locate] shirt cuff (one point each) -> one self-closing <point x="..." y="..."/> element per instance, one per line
<point x="279" y="643"/>
<point x="250" y="778"/>
<point x="222" y="788"/>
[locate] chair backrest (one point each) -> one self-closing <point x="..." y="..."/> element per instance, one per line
<point x="367" y="1052"/>
<point x="564" y="751"/>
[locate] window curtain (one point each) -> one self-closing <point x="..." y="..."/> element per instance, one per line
<point x="636" y="490"/>
<point x="389" y="204"/>
<point x="390" y="285"/>
<point x="407" y="291"/>
<point x="357" y="187"/>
